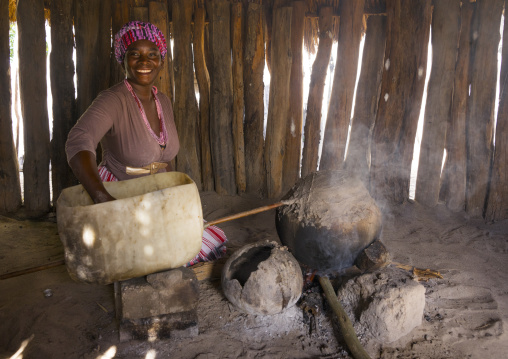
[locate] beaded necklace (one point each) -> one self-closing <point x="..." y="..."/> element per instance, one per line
<point x="163" y="136"/>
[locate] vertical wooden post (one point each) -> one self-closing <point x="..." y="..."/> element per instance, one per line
<point x="62" y="90"/>
<point x="203" y="79"/>
<point x="221" y="97"/>
<point x="238" y="107"/>
<point x="10" y="191"/>
<point x="185" y="107"/>
<point x="497" y="204"/>
<point x="158" y="15"/>
<point x="312" y="130"/>
<point x="120" y="16"/>
<point x="445" y="32"/>
<point x="293" y="151"/>
<point x="400" y="100"/>
<point x="453" y="188"/>
<point x="253" y="66"/>
<point x="367" y="97"/>
<point x="279" y="100"/>
<point x="32" y="77"/>
<point x="341" y="100"/>
<point x="480" y="120"/>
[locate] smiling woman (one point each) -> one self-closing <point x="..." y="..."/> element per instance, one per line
<point x="134" y="124"/>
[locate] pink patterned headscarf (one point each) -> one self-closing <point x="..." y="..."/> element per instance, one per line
<point x="138" y="30"/>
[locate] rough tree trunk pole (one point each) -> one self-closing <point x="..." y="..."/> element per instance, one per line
<point x="10" y="191"/>
<point x="480" y="120"/>
<point x="445" y="33"/>
<point x="400" y="99"/>
<point x="253" y="66"/>
<point x="497" y="204"/>
<point x="341" y="100"/>
<point x="279" y="100"/>
<point x="238" y="94"/>
<point x="158" y="15"/>
<point x="292" y="153"/>
<point x="62" y="90"/>
<point x="204" y="96"/>
<point x="221" y="97"/>
<point x="120" y="15"/>
<point x="312" y="130"/>
<point x="32" y="77"/>
<point x="185" y="106"/>
<point x="367" y="97"/>
<point x="453" y="188"/>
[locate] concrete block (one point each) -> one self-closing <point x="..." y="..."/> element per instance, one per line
<point x="160" y="305"/>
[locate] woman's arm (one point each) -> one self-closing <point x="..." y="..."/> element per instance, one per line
<point x="85" y="169"/>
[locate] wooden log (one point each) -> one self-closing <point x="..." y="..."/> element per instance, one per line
<point x="293" y="151"/>
<point x="453" y="188"/>
<point x="497" y="204"/>
<point x="238" y="94"/>
<point x="33" y="93"/>
<point x="480" y="120"/>
<point x="120" y="16"/>
<point x="203" y="80"/>
<point x="185" y="108"/>
<point x="312" y="130"/>
<point x="400" y="100"/>
<point x="445" y="34"/>
<point x="367" y="97"/>
<point x="10" y="190"/>
<point x="253" y="67"/>
<point x="341" y="100"/>
<point x="92" y="61"/>
<point x="221" y="98"/>
<point x="62" y="90"/>
<point x="278" y="105"/>
<point x="158" y="15"/>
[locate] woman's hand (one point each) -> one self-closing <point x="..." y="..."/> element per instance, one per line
<point x="84" y="166"/>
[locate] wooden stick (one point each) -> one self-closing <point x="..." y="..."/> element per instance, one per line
<point x="245" y="214"/>
<point x="346" y="327"/>
<point x="31" y="270"/>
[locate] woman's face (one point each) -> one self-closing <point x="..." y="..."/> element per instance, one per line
<point x="142" y="62"/>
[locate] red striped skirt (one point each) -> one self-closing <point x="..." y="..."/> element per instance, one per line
<point x="213" y="245"/>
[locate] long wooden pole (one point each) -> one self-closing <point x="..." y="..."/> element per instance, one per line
<point x="245" y="214"/>
<point x="346" y="327"/>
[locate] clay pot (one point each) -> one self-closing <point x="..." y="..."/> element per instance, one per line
<point x="262" y="278"/>
<point x="330" y="220"/>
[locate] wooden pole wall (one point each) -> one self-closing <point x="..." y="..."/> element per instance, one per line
<point x="341" y="101"/>
<point x="221" y="97"/>
<point x="388" y="102"/>
<point x="10" y="192"/>
<point x="253" y="66"/>
<point x="312" y="130"/>
<point x="33" y="93"/>
<point x="453" y="188"/>
<point x="278" y="105"/>
<point x="185" y="107"/>
<point x="62" y="90"/>
<point x="445" y="32"/>
<point x="497" y="205"/>
<point x="203" y="79"/>
<point x="367" y="95"/>
<point x="480" y="119"/>
<point x="408" y="27"/>
<point x="238" y="93"/>
<point x="293" y="152"/>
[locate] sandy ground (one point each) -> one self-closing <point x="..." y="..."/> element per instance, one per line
<point x="465" y="314"/>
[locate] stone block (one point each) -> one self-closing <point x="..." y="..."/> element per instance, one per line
<point x="160" y="305"/>
<point x="384" y="305"/>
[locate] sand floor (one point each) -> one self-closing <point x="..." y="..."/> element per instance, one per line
<point x="465" y="314"/>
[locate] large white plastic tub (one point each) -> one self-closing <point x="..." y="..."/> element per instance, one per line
<point x="155" y="224"/>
